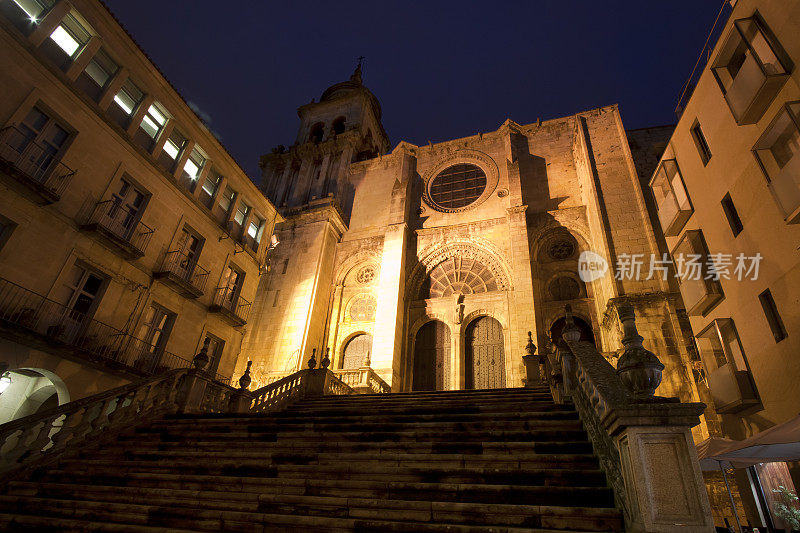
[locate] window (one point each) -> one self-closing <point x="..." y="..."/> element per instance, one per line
<point x="36" y="145"/>
<point x="773" y="317"/>
<point x="285" y="265"/>
<point x="458" y="186"/>
<point x="729" y="379"/>
<point x="338" y="126"/>
<point x="691" y="261"/>
<point x="125" y="209"/>
<point x="172" y="150"/>
<point x="672" y="200"/>
<point x="231" y="285"/>
<point x="700" y="142"/>
<point x="210" y="186"/>
<point x="215" y="348"/>
<point x="317" y="131"/>
<point x="127" y="99"/>
<point x="254" y="231"/>
<point x="242" y="210"/>
<point x="225" y="204"/>
<point x="153" y="121"/>
<point x="97" y="74"/>
<point x="749" y="70"/>
<point x="777" y="154"/>
<point x="66" y="41"/>
<point x="80" y="292"/>
<point x="192" y="168"/>
<point x="188" y="248"/>
<point x="25" y="14"/>
<point x="155" y="328"/>
<point x="362" y="308"/>
<point x="732" y="215"/>
<point x="275" y="299"/>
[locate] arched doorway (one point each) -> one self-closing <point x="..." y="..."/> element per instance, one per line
<point x="432" y="357"/>
<point x="29" y="391"/>
<point x="558" y="328"/>
<point x="484" y="354"/>
<point x="356" y="351"/>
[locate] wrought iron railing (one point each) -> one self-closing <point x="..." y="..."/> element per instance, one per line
<point x="228" y="298"/>
<point x="35" y="161"/>
<point x="62" y="325"/>
<point x="122" y="223"/>
<point x="184" y="268"/>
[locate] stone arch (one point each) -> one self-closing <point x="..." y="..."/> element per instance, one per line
<point x="340" y="352"/>
<point x="316" y="133"/>
<point x="31" y="390"/>
<point x="338" y="125"/>
<point x="458" y="275"/>
<point x="540" y="238"/>
<point x="475" y="249"/>
<point x="355" y="262"/>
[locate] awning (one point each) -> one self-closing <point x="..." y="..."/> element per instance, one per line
<point x="776" y="444"/>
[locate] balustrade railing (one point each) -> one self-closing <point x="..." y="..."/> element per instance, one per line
<point x="121" y="223"/>
<point x="61" y="325"/>
<point x="36" y="161"/>
<point x="229" y="299"/>
<point x="183" y="267"/>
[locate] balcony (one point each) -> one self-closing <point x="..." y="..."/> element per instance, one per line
<point x="230" y="306"/>
<point x="672" y="201"/>
<point x="119" y="228"/>
<point x="32" y="165"/>
<point x="699" y="294"/>
<point x="30" y="318"/>
<point x="729" y="379"/>
<point x="750" y="70"/>
<point x="181" y="272"/>
<point x="778" y="154"/>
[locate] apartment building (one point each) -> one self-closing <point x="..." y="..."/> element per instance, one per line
<point x="128" y="234"/>
<point x="728" y="193"/>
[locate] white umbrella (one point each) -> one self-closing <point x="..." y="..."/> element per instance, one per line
<point x="776" y="444"/>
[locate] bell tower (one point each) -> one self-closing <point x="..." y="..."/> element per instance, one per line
<point x="343" y="127"/>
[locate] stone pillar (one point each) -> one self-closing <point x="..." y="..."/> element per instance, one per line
<point x="387" y="343"/>
<point x="664" y="486"/>
<point x="138" y="115"/>
<point x="521" y="304"/>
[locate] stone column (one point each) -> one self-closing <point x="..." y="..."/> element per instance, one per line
<point x="522" y="315"/>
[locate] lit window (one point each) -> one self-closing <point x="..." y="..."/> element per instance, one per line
<point x="211" y="183"/>
<point x="749" y="70"/>
<point x="25" y="14"/>
<point x="153" y="121"/>
<point x="672" y="202"/>
<point x="255" y="228"/>
<point x="194" y="164"/>
<point x="101" y="68"/>
<point x="34" y="9"/>
<point x="129" y="97"/>
<point x="241" y="213"/>
<point x="777" y="152"/>
<point x="226" y="199"/>
<point x="70" y="36"/>
<point x="174" y="145"/>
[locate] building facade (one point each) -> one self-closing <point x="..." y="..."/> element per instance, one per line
<point x="128" y="234"/>
<point x="728" y="187"/>
<point x="432" y="263"/>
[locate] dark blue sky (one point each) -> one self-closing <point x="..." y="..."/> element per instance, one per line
<point x="441" y="70"/>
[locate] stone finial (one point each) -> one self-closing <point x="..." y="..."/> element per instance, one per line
<point x="530" y="348"/>
<point x="201" y="359"/>
<point x="326" y="359"/>
<point x="367" y="360"/>
<point x="245" y="380"/>
<point x="638" y="368"/>
<point x="571" y="332"/>
<point x="312" y="363"/>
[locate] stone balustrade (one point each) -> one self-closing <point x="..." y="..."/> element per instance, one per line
<point x="643" y="441"/>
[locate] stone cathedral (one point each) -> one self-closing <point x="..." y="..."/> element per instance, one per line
<point x="431" y="264"/>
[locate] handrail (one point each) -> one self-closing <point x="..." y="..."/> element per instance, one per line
<point x="363" y="379"/>
<point x="227" y="298"/>
<point x="179" y="263"/>
<point x="62" y="325"/>
<point x="47" y="434"/>
<point x="35" y="161"/>
<point x="121" y="222"/>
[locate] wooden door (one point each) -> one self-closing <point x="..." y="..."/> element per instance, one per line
<point x="432" y="357"/>
<point x="485" y="356"/>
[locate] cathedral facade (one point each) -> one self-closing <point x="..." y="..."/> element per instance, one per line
<point x="431" y="264"/>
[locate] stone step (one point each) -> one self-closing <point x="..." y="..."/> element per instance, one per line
<point x="570" y="496"/>
<point x="13" y="523"/>
<point x="434" y="448"/>
<point x="496" y="404"/>
<point x="374" y="472"/>
<point x="421" y="511"/>
<point x="290" y="455"/>
<point x="418" y="409"/>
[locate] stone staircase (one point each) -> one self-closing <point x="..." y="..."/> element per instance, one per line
<point x="462" y="461"/>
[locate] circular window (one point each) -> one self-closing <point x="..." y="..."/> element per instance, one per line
<point x="365" y="275"/>
<point x="458" y="186"/>
<point x="564" y="288"/>
<point x="561" y="249"/>
<point x="363" y="308"/>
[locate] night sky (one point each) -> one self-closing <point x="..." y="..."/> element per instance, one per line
<point x="441" y="70"/>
